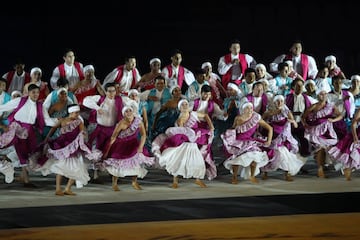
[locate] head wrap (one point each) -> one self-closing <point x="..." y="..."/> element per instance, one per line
<point x="133" y="91"/>
<point x="260" y="65"/>
<point x="173" y="87"/>
<point x="206" y="64"/>
<point x="16" y="92"/>
<point x="35" y="69"/>
<point x="74" y="108"/>
<point x="310" y="81"/>
<point x="155" y="60"/>
<point x="244" y="105"/>
<point x="126" y="107"/>
<point x="278" y="97"/>
<point x="233" y="86"/>
<point x="355" y="77"/>
<point x="61" y="90"/>
<point x="289" y="63"/>
<point x="89" y="67"/>
<point x="181" y="102"/>
<point x="330" y="58"/>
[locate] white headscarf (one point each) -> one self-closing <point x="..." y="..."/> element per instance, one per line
<point x="35" y="69"/>
<point x="330" y="58"/>
<point x="206" y="64"/>
<point x="355" y="77"/>
<point x="155" y="60"/>
<point x="278" y="97"/>
<point x="181" y="102"/>
<point x="126" y="107"/>
<point x="173" y="87"/>
<point x="132" y="91"/>
<point x="61" y="90"/>
<point x="89" y="67"/>
<point x="74" y="108"/>
<point x="245" y="105"/>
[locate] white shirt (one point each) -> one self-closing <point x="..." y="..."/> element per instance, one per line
<point x="172" y="80"/>
<point x="203" y="108"/>
<point x="109" y="116"/>
<point x="71" y="74"/>
<point x="27" y="113"/>
<point x="126" y="80"/>
<point x="17" y="83"/>
<point x="223" y="68"/>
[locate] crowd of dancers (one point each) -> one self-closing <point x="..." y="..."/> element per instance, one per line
<point x="77" y="126"/>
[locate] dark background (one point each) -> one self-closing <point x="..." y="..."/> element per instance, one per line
<point x="102" y="33"/>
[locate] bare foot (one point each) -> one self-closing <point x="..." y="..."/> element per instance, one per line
<point x="174" y="185"/>
<point x="59" y="193"/>
<point x="69" y="192"/>
<point x="347" y="173"/>
<point x="288" y="177"/>
<point x="200" y="183"/>
<point x="234" y="180"/>
<point x="115" y="188"/>
<point x="136" y="186"/>
<point x="254" y="180"/>
<point x="321" y="173"/>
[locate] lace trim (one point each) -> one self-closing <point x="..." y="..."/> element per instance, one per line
<point x="131" y="129"/>
<point x="69" y="127"/>
<point x="252" y="122"/>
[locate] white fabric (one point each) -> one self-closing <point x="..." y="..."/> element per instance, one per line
<point x="74" y="109"/>
<point x="71" y="74"/>
<point x="330" y="58"/>
<point x="125" y="108"/>
<point x="61" y="90"/>
<point x="89" y="67"/>
<point x="155" y="60"/>
<point x="73" y="168"/>
<point x="35" y="69"/>
<point x="244" y="161"/>
<point x="181" y="102"/>
<point x="206" y="64"/>
<point x="7" y="169"/>
<point x="108" y="116"/>
<point x="185" y="160"/>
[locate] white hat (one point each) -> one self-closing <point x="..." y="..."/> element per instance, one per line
<point x="35" y="69"/>
<point x="132" y="91"/>
<point x="155" y="60"/>
<point x="181" y="102"/>
<point x="126" y="107"/>
<point x="173" y="87"/>
<point x="260" y="65"/>
<point x="61" y="90"/>
<point x="13" y="93"/>
<point x="74" y="108"/>
<point x="233" y="86"/>
<point x="278" y="97"/>
<point x="245" y="104"/>
<point x="206" y="64"/>
<point x="330" y="58"/>
<point x="310" y="81"/>
<point x="89" y="67"/>
<point x="355" y="77"/>
<point x="289" y="63"/>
